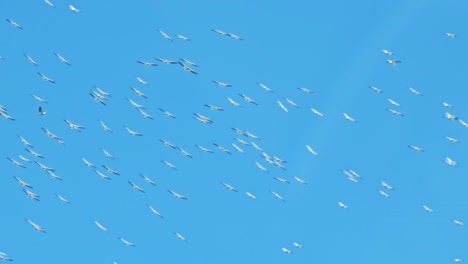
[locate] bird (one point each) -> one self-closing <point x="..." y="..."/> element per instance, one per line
<point x="305" y="90"/>
<point x="13" y="23"/>
<point x="282" y="106"/>
<point x="347" y="117"/>
<point x="182" y="37"/>
<point x="62" y="199"/>
<point x="375" y="89"/>
<point x="222" y="84"/>
<point x="100" y="226"/>
<point x="87" y="163"/>
<point x="187" y="68"/>
<point x="24" y="141"/>
<point x="297" y="245"/>
<point x="98" y="97"/>
<point x="463" y="123"/>
<point x="450" y="35"/>
<point x="453" y="140"/>
<point x="394" y="112"/>
<point x="237" y="148"/>
<point x="144" y="114"/>
<point x="248" y="99"/>
<point x="299" y="180"/>
<point x="310" y="150"/>
<point x="286" y="251"/>
<point x="36" y="226"/>
<point x="62" y="59"/>
<point x="41" y="111"/>
<point x="415" y="148"/>
<point x="73" y="126"/>
<point x="45" y="78"/>
<point x="176" y="195"/>
<point x="102" y="175"/>
<point x="138" y="92"/>
<point x="412" y="90"/>
<point x="136" y="187"/>
<point x="109" y="170"/>
<point x="386" y="52"/>
<point x="133" y="133"/>
<point x="215" y="108"/>
<point x="386" y="186"/>
<point x="16" y="163"/>
<point x="105" y="94"/>
<point x="393" y="102"/>
<point x="167" y="143"/>
<point x="105" y="127"/>
<point x="229" y="187"/>
<point x="22" y="183"/>
<point x="384" y="194"/>
<point x="141" y="81"/>
<point x="3" y="257"/>
<point x="126" y="242"/>
<point x="447" y="105"/>
<point x="148" y="180"/>
<point x="450" y="116"/>
<point x="169" y="164"/>
<point x="31" y="195"/>
<point x="189" y="62"/>
<point x="4" y="115"/>
<point x="167" y="113"/>
<point x="234" y="36"/>
<point x="204" y="149"/>
<point x="251" y="196"/>
<point x="107" y="154"/>
<point x="135" y="105"/>
<point x="427" y="209"/>
<point x="35" y="154"/>
<point x="233" y="102"/>
<point x="260" y="167"/>
<point x="264" y="87"/>
<point x="30" y="60"/>
<point x="450" y="162"/>
<point x="458" y="260"/>
<point x="74" y="9"/>
<point x="179" y="236"/>
<point x="40" y="100"/>
<point x="165" y="35"/>
<point x="281" y="180"/>
<point x="222" y="33"/>
<point x="342" y="205"/>
<point x="457" y="222"/>
<point x="49" y="3"/>
<point x="393" y="62"/>
<point x="291" y="102"/>
<point x="147" y="64"/>
<point x="277" y="196"/>
<point x="154" y="211"/>
<point x="222" y="148"/>
<point x="316" y="112"/>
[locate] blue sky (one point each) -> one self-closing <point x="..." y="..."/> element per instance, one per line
<point x="333" y="48"/>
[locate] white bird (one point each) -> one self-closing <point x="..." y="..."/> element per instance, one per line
<point x="35" y="154"/>
<point x="31" y="195"/>
<point x="241" y="141"/>
<point x="3" y="257"/>
<point x="22" y="183"/>
<point x="215" y="108"/>
<point x="165" y="35"/>
<point x="427" y="209"/>
<point x="126" y="242"/>
<point x="73" y="126"/>
<point x="107" y="154"/>
<point x="169" y="164"/>
<point x="256" y="146"/>
<point x="305" y="90"/>
<point x="189" y="62"/>
<point x="248" y="99"/>
<point x="74" y="9"/>
<point x="62" y="59"/>
<point x="98" y="97"/>
<point x="176" y="195"/>
<point x="463" y="123"/>
<point x="342" y="205"/>
<point x="87" y="163"/>
<point x="458" y="260"/>
<point x="154" y="211"/>
<point x="386" y="186"/>
<point x="264" y="87"/>
<point x="102" y="92"/>
<point x="53" y="175"/>
<point x="23" y="158"/>
<point x="297" y="245"/>
<point x="141" y="81"/>
<point x="148" y="180"/>
<point x="386" y="52"/>
<point x="348" y="117"/>
<point x="109" y="170"/>
<point x="13" y="23"/>
<point x="222" y="33"/>
<point x="135" y="105"/>
<point x="4" y="115"/>
<point x="36" y="226"/>
<point x="414" y="91"/>
<point x="182" y="37"/>
<point x="233" y="102"/>
<point x="277" y="196"/>
<point x="453" y="140"/>
<point x="450" y="161"/>
<point x="222" y="84"/>
<point x="165" y="61"/>
<point x="138" y="92"/>
<point x="187" y="68"/>
<point x="100" y="226"/>
<point x="202" y="118"/>
<point x="204" y="149"/>
<point x="383" y="193"/>
<point x="167" y="143"/>
<point x="105" y="127"/>
<point x="393" y="102"/>
<point x="447" y="105"/>
<point x="234" y="36"/>
<point x="299" y="180"/>
<point x="179" y="236"/>
<point x="144" y="114"/>
<point x="45" y="78"/>
<point x="450" y="35"/>
<point x="136" y="187"/>
<point x="229" y="187"/>
<point x="40" y="100"/>
<point x="16" y="163"/>
<point x="354" y="173"/>
<point x="251" y="196"/>
<point x="311" y="150"/>
<point x="291" y="102"/>
<point x="146" y="63"/>
<point x="316" y="112"/>
<point x="41" y="111"/>
<point x="457" y="222"/>
<point x="30" y="59"/>
<point x="133" y="133"/>
<point x="415" y="148"/>
<point x="282" y="106"/>
<point x="260" y="167"/>
<point x="281" y="180"/>
<point x="394" y="112"/>
<point x="167" y="113"/>
<point x="375" y="89"/>
<point x="62" y="199"/>
<point x="102" y="175"/>
<point x="393" y="62"/>
<point x="450" y="116"/>
<point x="43" y="167"/>
<point x="237" y="148"/>
<point x="286" y="251"/>
<point x="49" y="3"/>
<point x="222" y="148"/>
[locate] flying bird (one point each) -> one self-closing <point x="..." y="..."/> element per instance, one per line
<point x="447" y="105"/>
<point x="100" y="226"/>
<point x="286" y="251"/>
<point x="179" y="236"/>
<point x="107" y="154"/>
<point x="13" y="23"/>
<point x="277" y="196"/>
<point x="105" y="127"/>
<point x="40" y="100"/>
<point x="126" y="242"/>
<point x="342" y="205"/>
<point x="453" y="140"/>
<point x="147" y="64"/>
<point x="204" y="149"/>
<point x="62" y="59"/>
<point x="457" y="222"/>
<point x="22" y="183"/>
<point x="165" y="35"/>
<point x="16" y="163"/>
<point x="109" y="170"/>
<point x="136" y="187"/>
<point x="45" y="78"/>
<point x="154" y="211"/>
<point x="30" y="60"/>
<point x="74" y="9"/>
<point x="166" y="61"/>
<point x="133" y="133"/>
<point x="36" y="226"/>
<point x="412" y="90"/>
<point x="62" y="199"/>
<point x="427" y="209"/>
<point x="394" y="112"/>
<point x="393" y="62"/>
<point x="31" y="195"/>
<point x="73" y="126"/>
<point x="222" y="148"/>
<point x="305" y="90"/>
<point x="310" y="150"/>
<point x="393" y="102"/>
<point x="316" y="112"/>
<point x="450" y="161"/>
<point x="87" y="163"/>
<point x="222" y="84"/>
<point x="43" y="167"/>
<point x="215" y="108"/>
<point x="35" y="154"/>
<point x="138" y="92"/>
<point x="187" y="68"/>
<point x="148" y="180"/>
<point x="264" y="87"/>
<point x="176" y="195"/>
<point x="347" y="117"/>
<point x="299" y="180"/>
<point x="450" y="35"/>
<point x="167" y="113"/>
<point x="297" y="245"/>
<point x="49" y="3"/>
<point x="248" y="99"/>
<point x="141" y="81"/>
<point x="386" y="52"/>
<point x="415" y="148"/>
<point x="229" y="187"/>
<point x="251" y="196"/>
<point x="375" y="89"/>
<point x="189" y="62"/>
<point x="282" y="106"/>
<point x="182" y="37"/>
<point x="222" y="33"/>
<point x="169" y="164"/>
<point x="233" y="102"/>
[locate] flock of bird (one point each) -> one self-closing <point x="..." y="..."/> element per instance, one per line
<point x="244" y="141"/>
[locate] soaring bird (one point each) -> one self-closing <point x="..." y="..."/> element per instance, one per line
<point x="342" y="205"/>
<point x="176" y="195"/>
<point x="187" y="68"/>
<point x="286" y="251"/>
<point x="105" y="127"/>
<point x="133" y="133"/>
<point x="148" y="180"/>
<point x="154" y="211"/>
<point x="264" y="87"/>
<point x="136" y="187"/>
<point x="164" y="35"/>
<point x="74" y="9"/>
<point x="126" y="242"/>
<point x="182" y="37"/>
<point x="45" y="78"/>
<point x="188" y="62"/>
<point x="450" y="35"/>
<point x="427" y="209"/>
<point x="386" y="52"/>
<point x="141" y="81"/>
<point x="393" y="102"/>
<point x="40" y="100"/>
<point x="13" y="23"/>
<point x="305" y="90"/>
<point x="147" y="64"/>
<point x="412" y="90"/>
<point x="138" y="92"/>
<point x="49" y="3"/>
<point x="62" y="199"/>
<point x="25" y="142"/>
<point x="31" y="195"/>
<point x="222" y="84"/>
<point x="310" y="150"/>
<point x="347" y="117"/>
<point x="35" y="154"/>
<point x="316" y="112"/>
<point x="62" y="59"/>
<point x="233" y="102"/>
<point x="282" y="106"/>
<point x="169" y="164"/>
<point x="415" y="148"/>
<point x="73" y="126"/>
<point x="277" y="196"/>
<point x="450" y="162"/>
<point x="393" y="62"/>
<point x="375" y="89"/>
<point x="36" y="226"/>
<point x="30" y="60"/>
<point x="251" y="196"/>
<point x="179" y="236"/>
<point x="100" y="226"/>
<point x="229" y="187"/>
<point x="248" y="99"/>
<point x="22" y="183"/>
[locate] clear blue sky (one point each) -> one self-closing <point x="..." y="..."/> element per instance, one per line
<point x="333" y="48"/>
